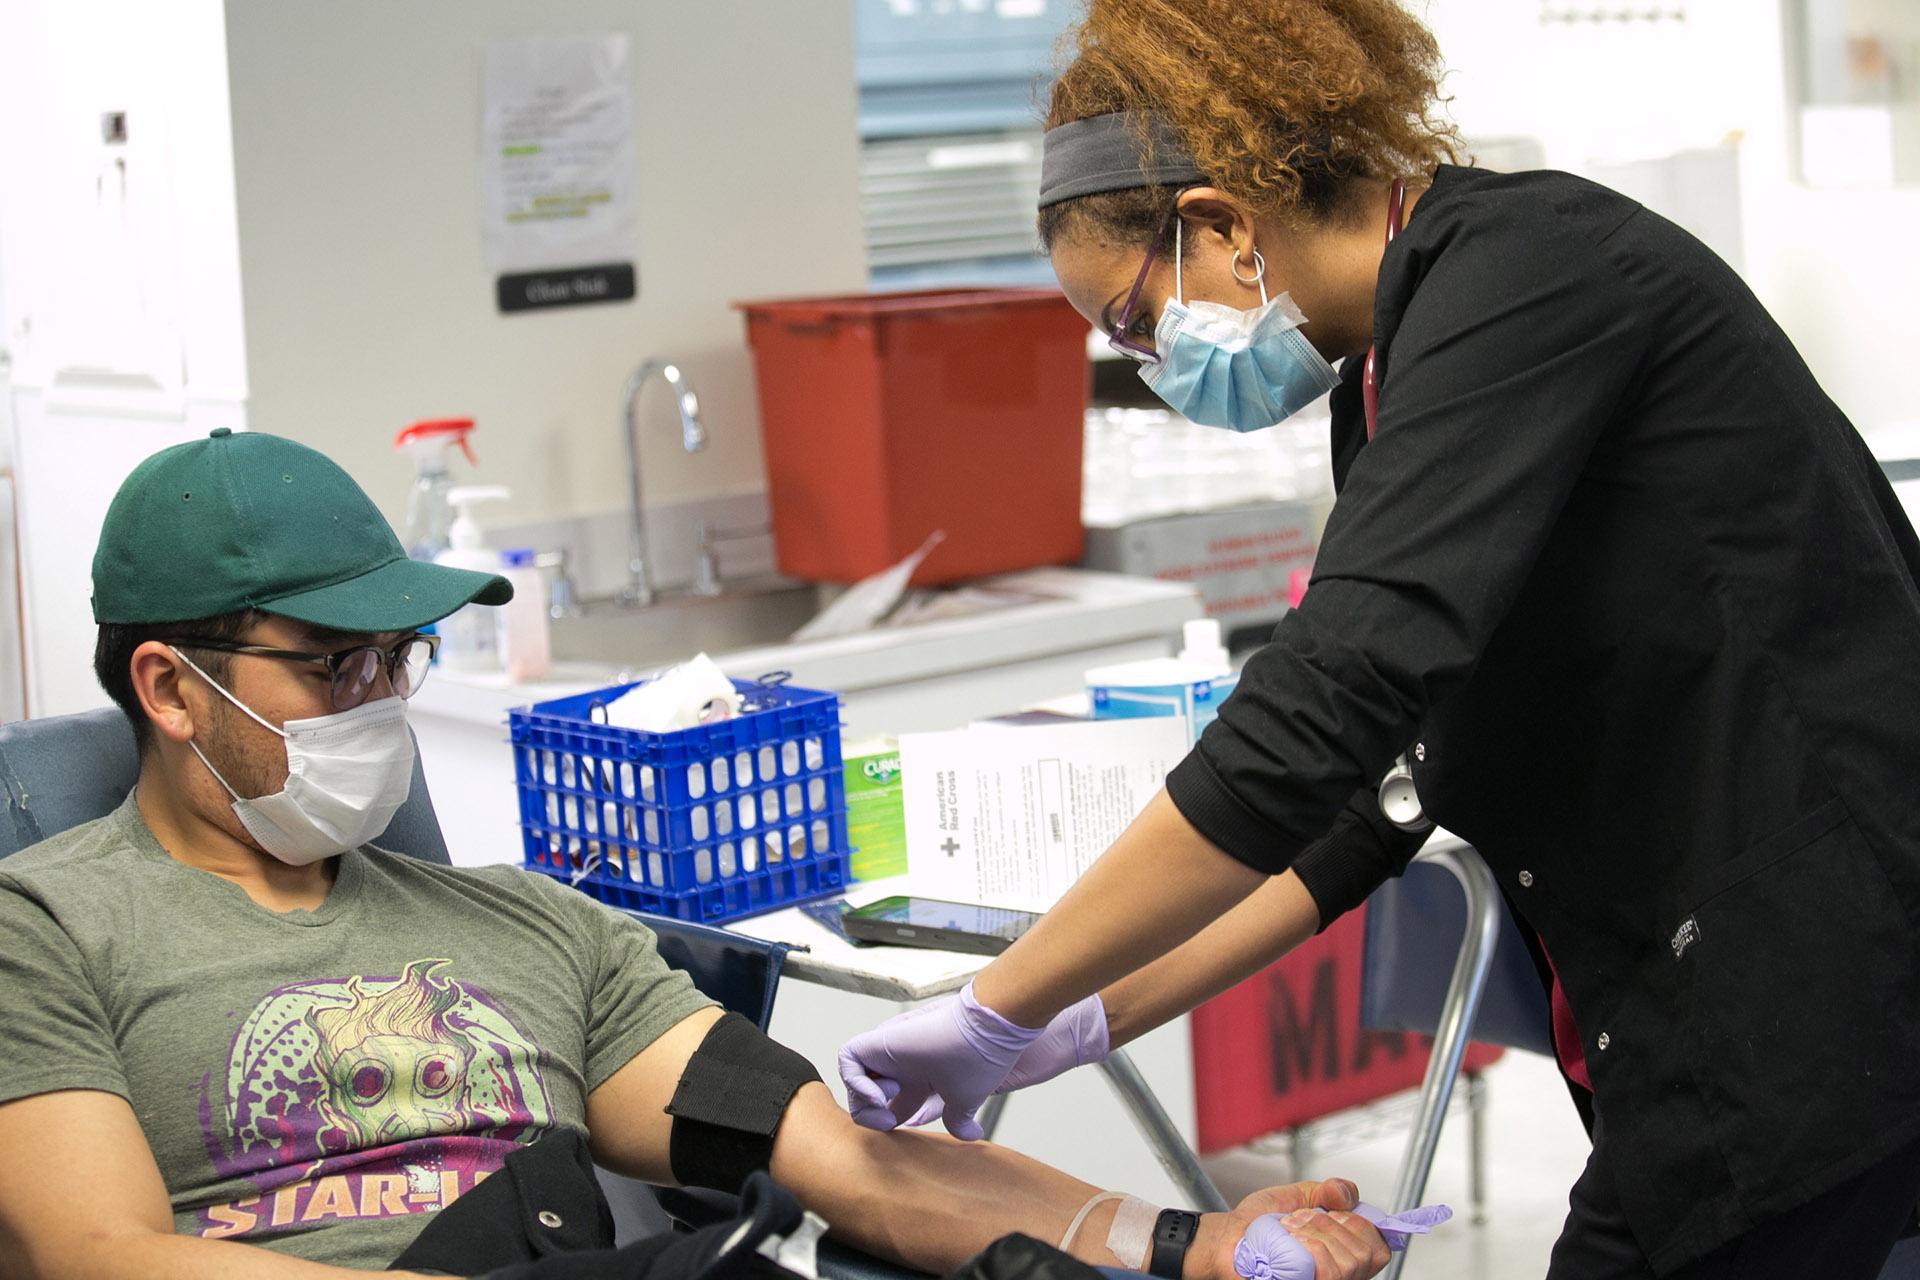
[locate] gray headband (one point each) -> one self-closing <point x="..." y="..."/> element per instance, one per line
<point x="1102" y="153"/>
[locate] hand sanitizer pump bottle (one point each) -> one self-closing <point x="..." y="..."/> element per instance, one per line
<point x="468" y="640"/>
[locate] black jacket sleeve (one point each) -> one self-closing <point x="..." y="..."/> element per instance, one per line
<point x="1514" y="342"/>
<point x="1362" y="851"/>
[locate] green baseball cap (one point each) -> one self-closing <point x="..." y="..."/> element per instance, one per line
<point x="253" y="521"/>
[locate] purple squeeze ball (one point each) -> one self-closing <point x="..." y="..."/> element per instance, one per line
<point x="1268" y="1251"/>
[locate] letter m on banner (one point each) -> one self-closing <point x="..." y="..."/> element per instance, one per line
<point x="1285" y="1047"/>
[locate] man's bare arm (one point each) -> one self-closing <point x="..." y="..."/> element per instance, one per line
<point x="82" y="1199"/>
<point x="932" y="1201"/>
<point x="927" y="1200"/>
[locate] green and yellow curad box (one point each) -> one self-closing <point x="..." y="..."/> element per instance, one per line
<point x="876" y="809"/>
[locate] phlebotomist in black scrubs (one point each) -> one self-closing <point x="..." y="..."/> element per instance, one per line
<point x="1606" y="564"/>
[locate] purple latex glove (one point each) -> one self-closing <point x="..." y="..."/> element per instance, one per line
<point x="1394" y="1228"/>
<point x="1076" y="1037"/>
<point x="1268" y="1251"/>
<point x="941" y="1059"/>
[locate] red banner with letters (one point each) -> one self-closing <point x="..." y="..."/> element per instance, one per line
<point x="1286" y="1047"/>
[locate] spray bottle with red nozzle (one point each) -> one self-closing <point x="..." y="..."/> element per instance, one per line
<point x="429" y="514"/>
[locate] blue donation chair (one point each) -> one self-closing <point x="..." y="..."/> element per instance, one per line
<point x="62" y="771"/>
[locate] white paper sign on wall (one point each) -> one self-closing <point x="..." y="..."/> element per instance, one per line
<point x="557" y="187"/>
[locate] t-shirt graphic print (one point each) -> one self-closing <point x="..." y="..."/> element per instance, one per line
<point x="367" y="1097"/>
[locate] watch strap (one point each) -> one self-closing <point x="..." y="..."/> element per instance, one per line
<point x="1173" y="1233"/>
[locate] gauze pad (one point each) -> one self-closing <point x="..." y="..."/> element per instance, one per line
<point x="1131" y="1234"/>
<point x="1128" y="1236"/>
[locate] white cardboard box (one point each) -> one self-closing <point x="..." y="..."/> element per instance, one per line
<point x="1238" y="558"/>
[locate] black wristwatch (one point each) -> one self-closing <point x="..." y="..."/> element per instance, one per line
<point x="1172" y="1236"/>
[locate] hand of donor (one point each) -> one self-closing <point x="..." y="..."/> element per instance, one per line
<point x="1076" y="1037"/>
<point x="941" y="1059"/>
<point x="1325" y="1241"/>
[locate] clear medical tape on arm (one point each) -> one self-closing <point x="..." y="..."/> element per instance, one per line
<point x="1130" y="1233"/>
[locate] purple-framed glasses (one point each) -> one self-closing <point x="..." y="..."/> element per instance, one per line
<point x="1117" y="336"/>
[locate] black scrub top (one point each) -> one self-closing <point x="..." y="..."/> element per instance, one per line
<point x="1650" y="611"/>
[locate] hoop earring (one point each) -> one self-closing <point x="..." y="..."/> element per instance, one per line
<point x="1259" y="269"/>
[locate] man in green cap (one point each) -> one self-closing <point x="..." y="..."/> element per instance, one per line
<point x="239" y="1039"/>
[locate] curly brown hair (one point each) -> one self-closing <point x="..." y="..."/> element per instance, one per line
<point x="1278" y="101"/>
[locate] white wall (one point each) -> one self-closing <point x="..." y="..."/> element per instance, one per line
<point x="1836" y="268"/>
<point x="1842" y="275"/>
<point x="122" y="306"/>
<point x="368" y="304"/>
<point x="353" y="133"/>
<point x="68" y="466"/>
<point x="84" y="262"/>
<point x="1601" y="92"/>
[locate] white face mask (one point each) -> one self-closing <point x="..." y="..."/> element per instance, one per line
<point x="347" y="775"/>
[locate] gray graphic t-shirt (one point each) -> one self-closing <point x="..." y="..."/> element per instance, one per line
<point x="318" y="1081"/>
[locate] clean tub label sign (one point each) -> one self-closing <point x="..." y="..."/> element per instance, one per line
<point x="557" y="193"/>
<point x="528" y="290"/>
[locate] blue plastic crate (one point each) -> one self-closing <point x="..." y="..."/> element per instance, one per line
<point x="709" y="823"/>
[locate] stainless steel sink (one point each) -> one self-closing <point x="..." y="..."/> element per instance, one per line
<point x="674" y="628"/>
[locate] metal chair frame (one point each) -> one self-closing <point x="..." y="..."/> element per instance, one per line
<point x="1155" y="1125"/>
<point x="1464" y="993"/>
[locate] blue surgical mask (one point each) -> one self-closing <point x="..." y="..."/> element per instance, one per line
<point x="1221" y="366"/>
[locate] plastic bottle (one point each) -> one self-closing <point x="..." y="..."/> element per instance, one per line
<point x="429" y="514"/>
<point x="1191" y="686"/>
<point x="526" y="647"/>
<point x="1202" y="646"/>
<point x="469" y="640"/>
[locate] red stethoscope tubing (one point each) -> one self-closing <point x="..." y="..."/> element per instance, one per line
<point x="1369" y="386"/>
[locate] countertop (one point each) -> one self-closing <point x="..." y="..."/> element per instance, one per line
<point x="1080" y="609"/>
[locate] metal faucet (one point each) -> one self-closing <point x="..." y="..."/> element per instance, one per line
<point x="693" y="438"/>
<point x="706" y="571"/>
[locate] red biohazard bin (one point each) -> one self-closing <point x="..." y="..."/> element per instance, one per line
<point x="886" y="417"/>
